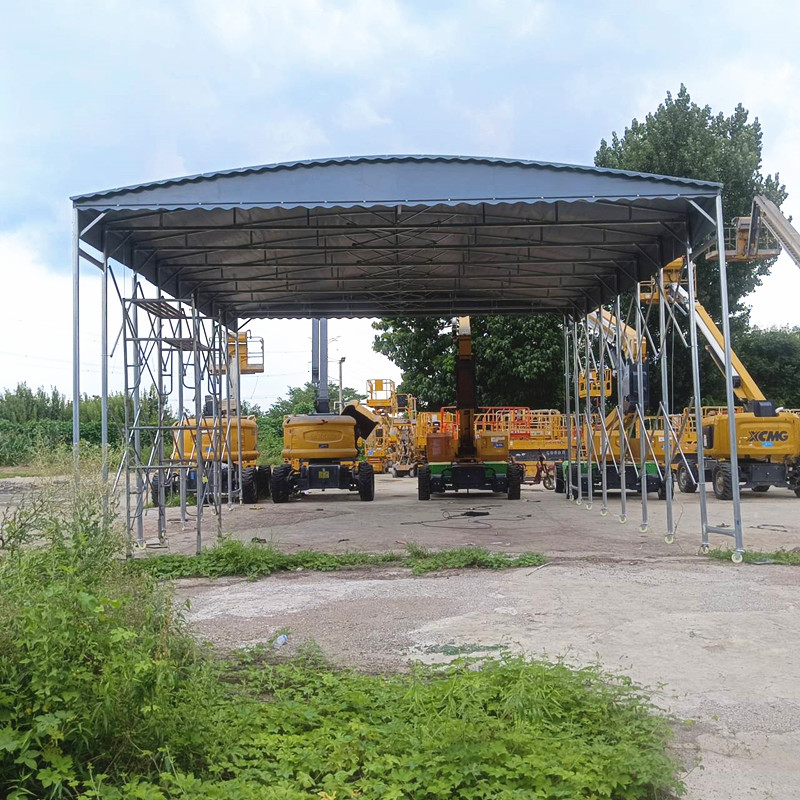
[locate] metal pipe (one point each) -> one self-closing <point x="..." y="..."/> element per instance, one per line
<point x="698" y="414"/>
<point x="238" y="412"/>
<point x="76" y="349"/>
<point x="726" y="333"/>
<point x="568" y="409"/>
<point x="588" y="410"/>
<point x="137" y="410"/>
<point x="182" y="422"/>
<point x="576" y="397"/>
<point x="640" y="412"/>
<point x="623" y="498"/>
<point x="228" y="443"/>
<point x="315" y="353"/>
<point x="323" y="395"/>
<point x="198" y="419"/>
<point x="601" y="373"/>
<point x="341" y="385"/>
<point x="104" y="380"/>
<point x="665" y="407"/>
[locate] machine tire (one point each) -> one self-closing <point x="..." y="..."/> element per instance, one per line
<point x="662" y="490"/>
<point x="684" y="480"/>
<point x="249" y="487"/>
<point x="561" y="484"/>
<point x="761" y="489"/>
<point x="424" y="483"/>
<point x="547" y="482"/>
<point x="279" y="487"/>
<point x="514" y="475"/>
<point x="366" y="481"/>
<point x="723" y="482"/>
<point x="263" y="477"/>
<point x="395" y="473"/>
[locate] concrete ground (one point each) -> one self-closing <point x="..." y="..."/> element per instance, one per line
<point x="717" y="642"/>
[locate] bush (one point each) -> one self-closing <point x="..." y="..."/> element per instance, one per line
<point x="104" y="695"/>
<point x="21" y="441"/>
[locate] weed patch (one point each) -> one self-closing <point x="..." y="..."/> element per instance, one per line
<point x="788" y="557"/>
<point x="105" y="695"/>
<point x="232" y="557"/>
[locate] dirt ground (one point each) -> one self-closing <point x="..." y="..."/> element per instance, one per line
<point x="717" y="642"/>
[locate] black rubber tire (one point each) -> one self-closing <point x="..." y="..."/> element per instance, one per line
<point x="761" y="489"/>
<point x="263" y="477"/>
<point x="662" y="490"/>
<point x="723" y="482"/>
<point x="249" y="487"/>
<point x="365" y="479"/>
<point x="395" y="473"/>
<point x="514" y="474"/>
<point x="684" y="480"/>
<point x="279" y="487"/>
<point x="424" y="483"/>
<point x="154" y="490"/>
<point x="547" y="482"/>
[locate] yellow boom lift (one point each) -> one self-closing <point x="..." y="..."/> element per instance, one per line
<point x="220" y="435"/>
<point x="468" y="460"/>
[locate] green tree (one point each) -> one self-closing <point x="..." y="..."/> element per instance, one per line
<point x="518" y="360"/>
<point x="684" y="139"/>
<point x="772" y="356"/>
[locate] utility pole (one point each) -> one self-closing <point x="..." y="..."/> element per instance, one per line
<point x="341" y="390"/>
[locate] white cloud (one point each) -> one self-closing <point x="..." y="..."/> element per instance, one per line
<point x="359" y="113"/>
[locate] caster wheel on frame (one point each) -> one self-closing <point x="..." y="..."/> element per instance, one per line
<point x="669" y="539"/>
<point x="737" y="557"/>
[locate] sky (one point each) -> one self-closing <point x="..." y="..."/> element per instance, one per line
<point x="110" y="93"/>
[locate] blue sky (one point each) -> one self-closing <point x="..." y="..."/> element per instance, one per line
<point x="102" y="94"/>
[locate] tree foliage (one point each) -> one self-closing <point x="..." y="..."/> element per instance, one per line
<point x="684" y="139"/>
<point x="772" y="356"/>
<point x="518" y="359"/>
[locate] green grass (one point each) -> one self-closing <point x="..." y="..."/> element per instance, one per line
<point x="789" y="557"/>
<point x="105" y="695"/>
<point x="232" y="557"/>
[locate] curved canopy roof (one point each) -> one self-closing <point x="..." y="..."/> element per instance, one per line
<point x="399" y="235"/>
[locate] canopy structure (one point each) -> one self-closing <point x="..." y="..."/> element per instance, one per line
<point x="399" y="235"/>
<point x="389" y="236"/>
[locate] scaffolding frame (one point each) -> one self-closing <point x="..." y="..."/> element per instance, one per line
<point x="587" y="353"/>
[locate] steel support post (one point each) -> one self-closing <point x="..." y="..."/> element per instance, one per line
<point x="588" y="409"/>
<point x="216" y="393"/>
<point x="159" y="474"/>
<point x="698" y="413"/>
<point x="104" y="381"/>
<point x="127" y="434"/>
<point x="228" y="442"/>
<point x="623" y="497"/>
<point x="76" y="349"/>
<point x="198" y="433"/>
<point x="576" y="397"/>
<point x="137" y="418"/>
<point x="726" y="332"/>
<point x="182" y="425"/>
<point x="601" y="374"/>
<point x="568" y="409"/>
<point x="665" y="406"/>
<point x="640" y="412"/>
<point x="238" y="412"/>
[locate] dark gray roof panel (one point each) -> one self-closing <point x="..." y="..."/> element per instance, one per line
<point x="388" y="235"/>
<point x="389" y="180"/>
